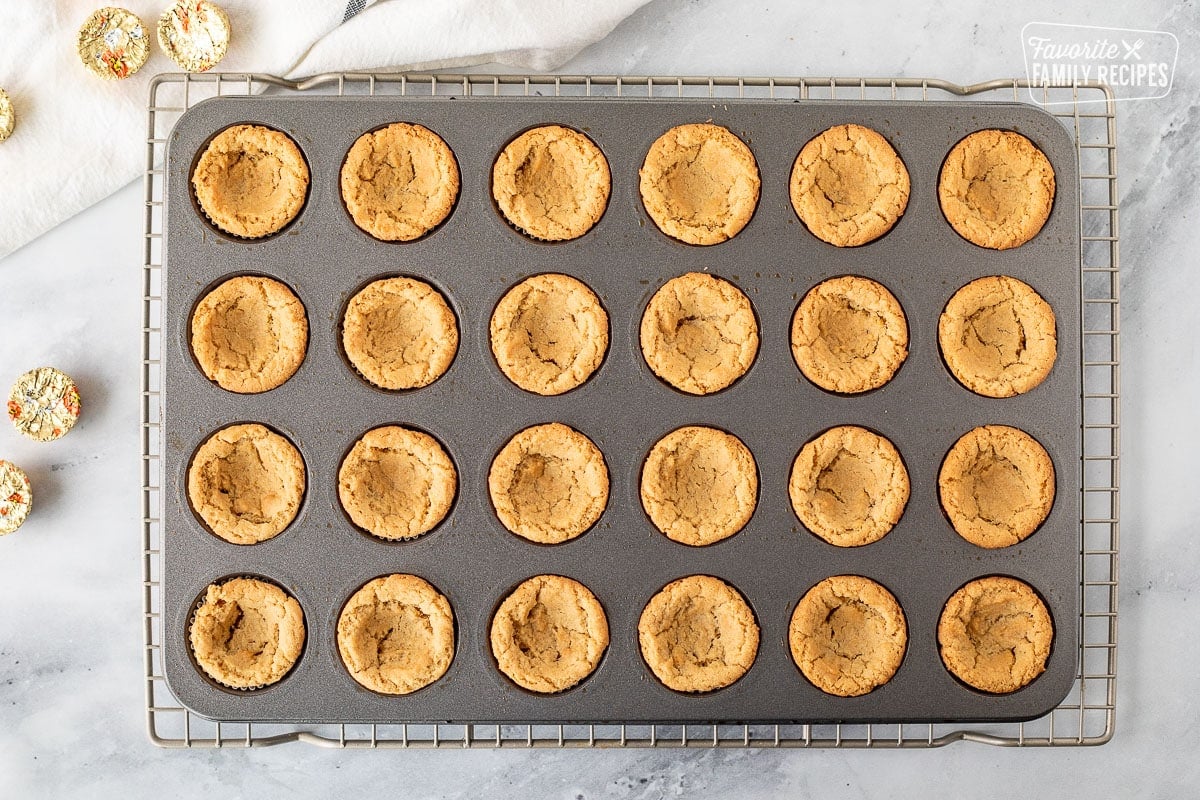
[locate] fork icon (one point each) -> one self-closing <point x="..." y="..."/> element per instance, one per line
<point x="1131" y="50"/>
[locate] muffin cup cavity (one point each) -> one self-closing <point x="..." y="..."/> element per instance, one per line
<point x="265" y="459"/>
<point x="551" y="183"/>
<point x="698" y="635"/>
<point x="396" y="635"/>
<point x="548" y="635"/>
<point x="248" y="333"/>
<point x="385" y="477"/>
<point x="419" y="340"/>
<point x="400" y="182"/>
<point x="292" y="613"/>
<point x="234" y="205"/>
<point x="996" y="635"/>
<point x="549" y="334"/>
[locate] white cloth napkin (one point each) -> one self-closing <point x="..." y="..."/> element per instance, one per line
<point x="79" y="138"/>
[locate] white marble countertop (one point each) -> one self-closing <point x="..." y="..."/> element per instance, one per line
<point x="71" y="721"/>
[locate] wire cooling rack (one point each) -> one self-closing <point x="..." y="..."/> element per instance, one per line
<point x="1085" y="717"/>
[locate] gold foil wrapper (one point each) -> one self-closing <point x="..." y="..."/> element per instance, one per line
<point x="16" y="497"/>
<point x="8" y="116"/>
<point x="44" y="404"/>
<point x="195" y="34"/>
<point x="113" y="43"/>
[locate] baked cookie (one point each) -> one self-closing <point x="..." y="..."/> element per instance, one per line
<point x="249" y="334"/>
<point x="549" y="484"/>
<point x="552" y="183"/>
<point x="996" y="189"/>
<point x="396" y="634"/>
<point x="246" y="482"/>
<point x="996" y="486"/>
<point x="849" y="486"/>
<point x="698" y="634"/>
<point x="247" y="633"/>
<point x="399" y="333"/>
<point x="549" y="334"/>
<point x="699" y="183"/>
<point x="848" y="635"/>
<point x="399" y="182"/>
<point x="251" y="181"/>
<point x="849" y="335"/>
<point x="549" y="634"/>
<point x="849" y="186"/>
<point x="699" y="485"/>
<point x="397" y="483"/>
<point x="995" y="634"/>
<point x="699" y="333"/>
<point x="997" y="336"/>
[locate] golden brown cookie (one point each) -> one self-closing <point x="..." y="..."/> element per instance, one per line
<point x="397" y="483"/>
<point x="396" y="634"/>
<point x="399" y="333"/>
<point x="996" y="485"/>
<point x="996" y="189"/>
<point x="399" y="182"/>
<point x="251" y="181"/>
<point x="849" y="486"/>
<point x="549" y="484"/>
<point x="848" y="635"/>
<point x="699" y="485"/>
<point x="699" y="183"/>
<point x="247" y="633"/>
<point x="699" y="333"/>
<point x="246" y="482"/>
<point x="552" y="183"/>
<point x="698" y="634"/>
<point x="549" y="634"/>
<point x="549" y="334"/>
<point x="995" y="634"/>
<point x="249" y="334"/>
<point x="998" y="336"/>
<point x="849" y="186"/>
<point x="849" y="335"/>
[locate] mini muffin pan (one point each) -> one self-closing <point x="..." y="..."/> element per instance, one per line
<point x="473" y="258"/>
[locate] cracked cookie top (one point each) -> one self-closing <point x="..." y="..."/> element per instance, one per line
<point x="699" y="333"/>
<point x="399" y="182"/>
<point x="549" y="634"/>
<point x="996" y="485"/>
<point x="249" y="334"/>
<point x="848" y="635"/>
<point x="247" y="633"/>
<point x="698" y="634"/>
<point x="251" y="181"/>
<point x="849" y="486"/>
<point x="549" y="484"/>
<point x="549" y="333"/>
<point x="397" y="483"/>
<point x="246" y="482"/>
<point x="396" y="634"/>
<point x="996" y="189"/>
<point x="849" y="335"/>
<point x="699" y="183"/>
<point x="399" y="333"/>
<point x="995" y="634"/>
<point x="849" y="186"/>
<point x="998" y="337"/>
<point x="552" y="183"/>
<point x="699" y="485"/>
